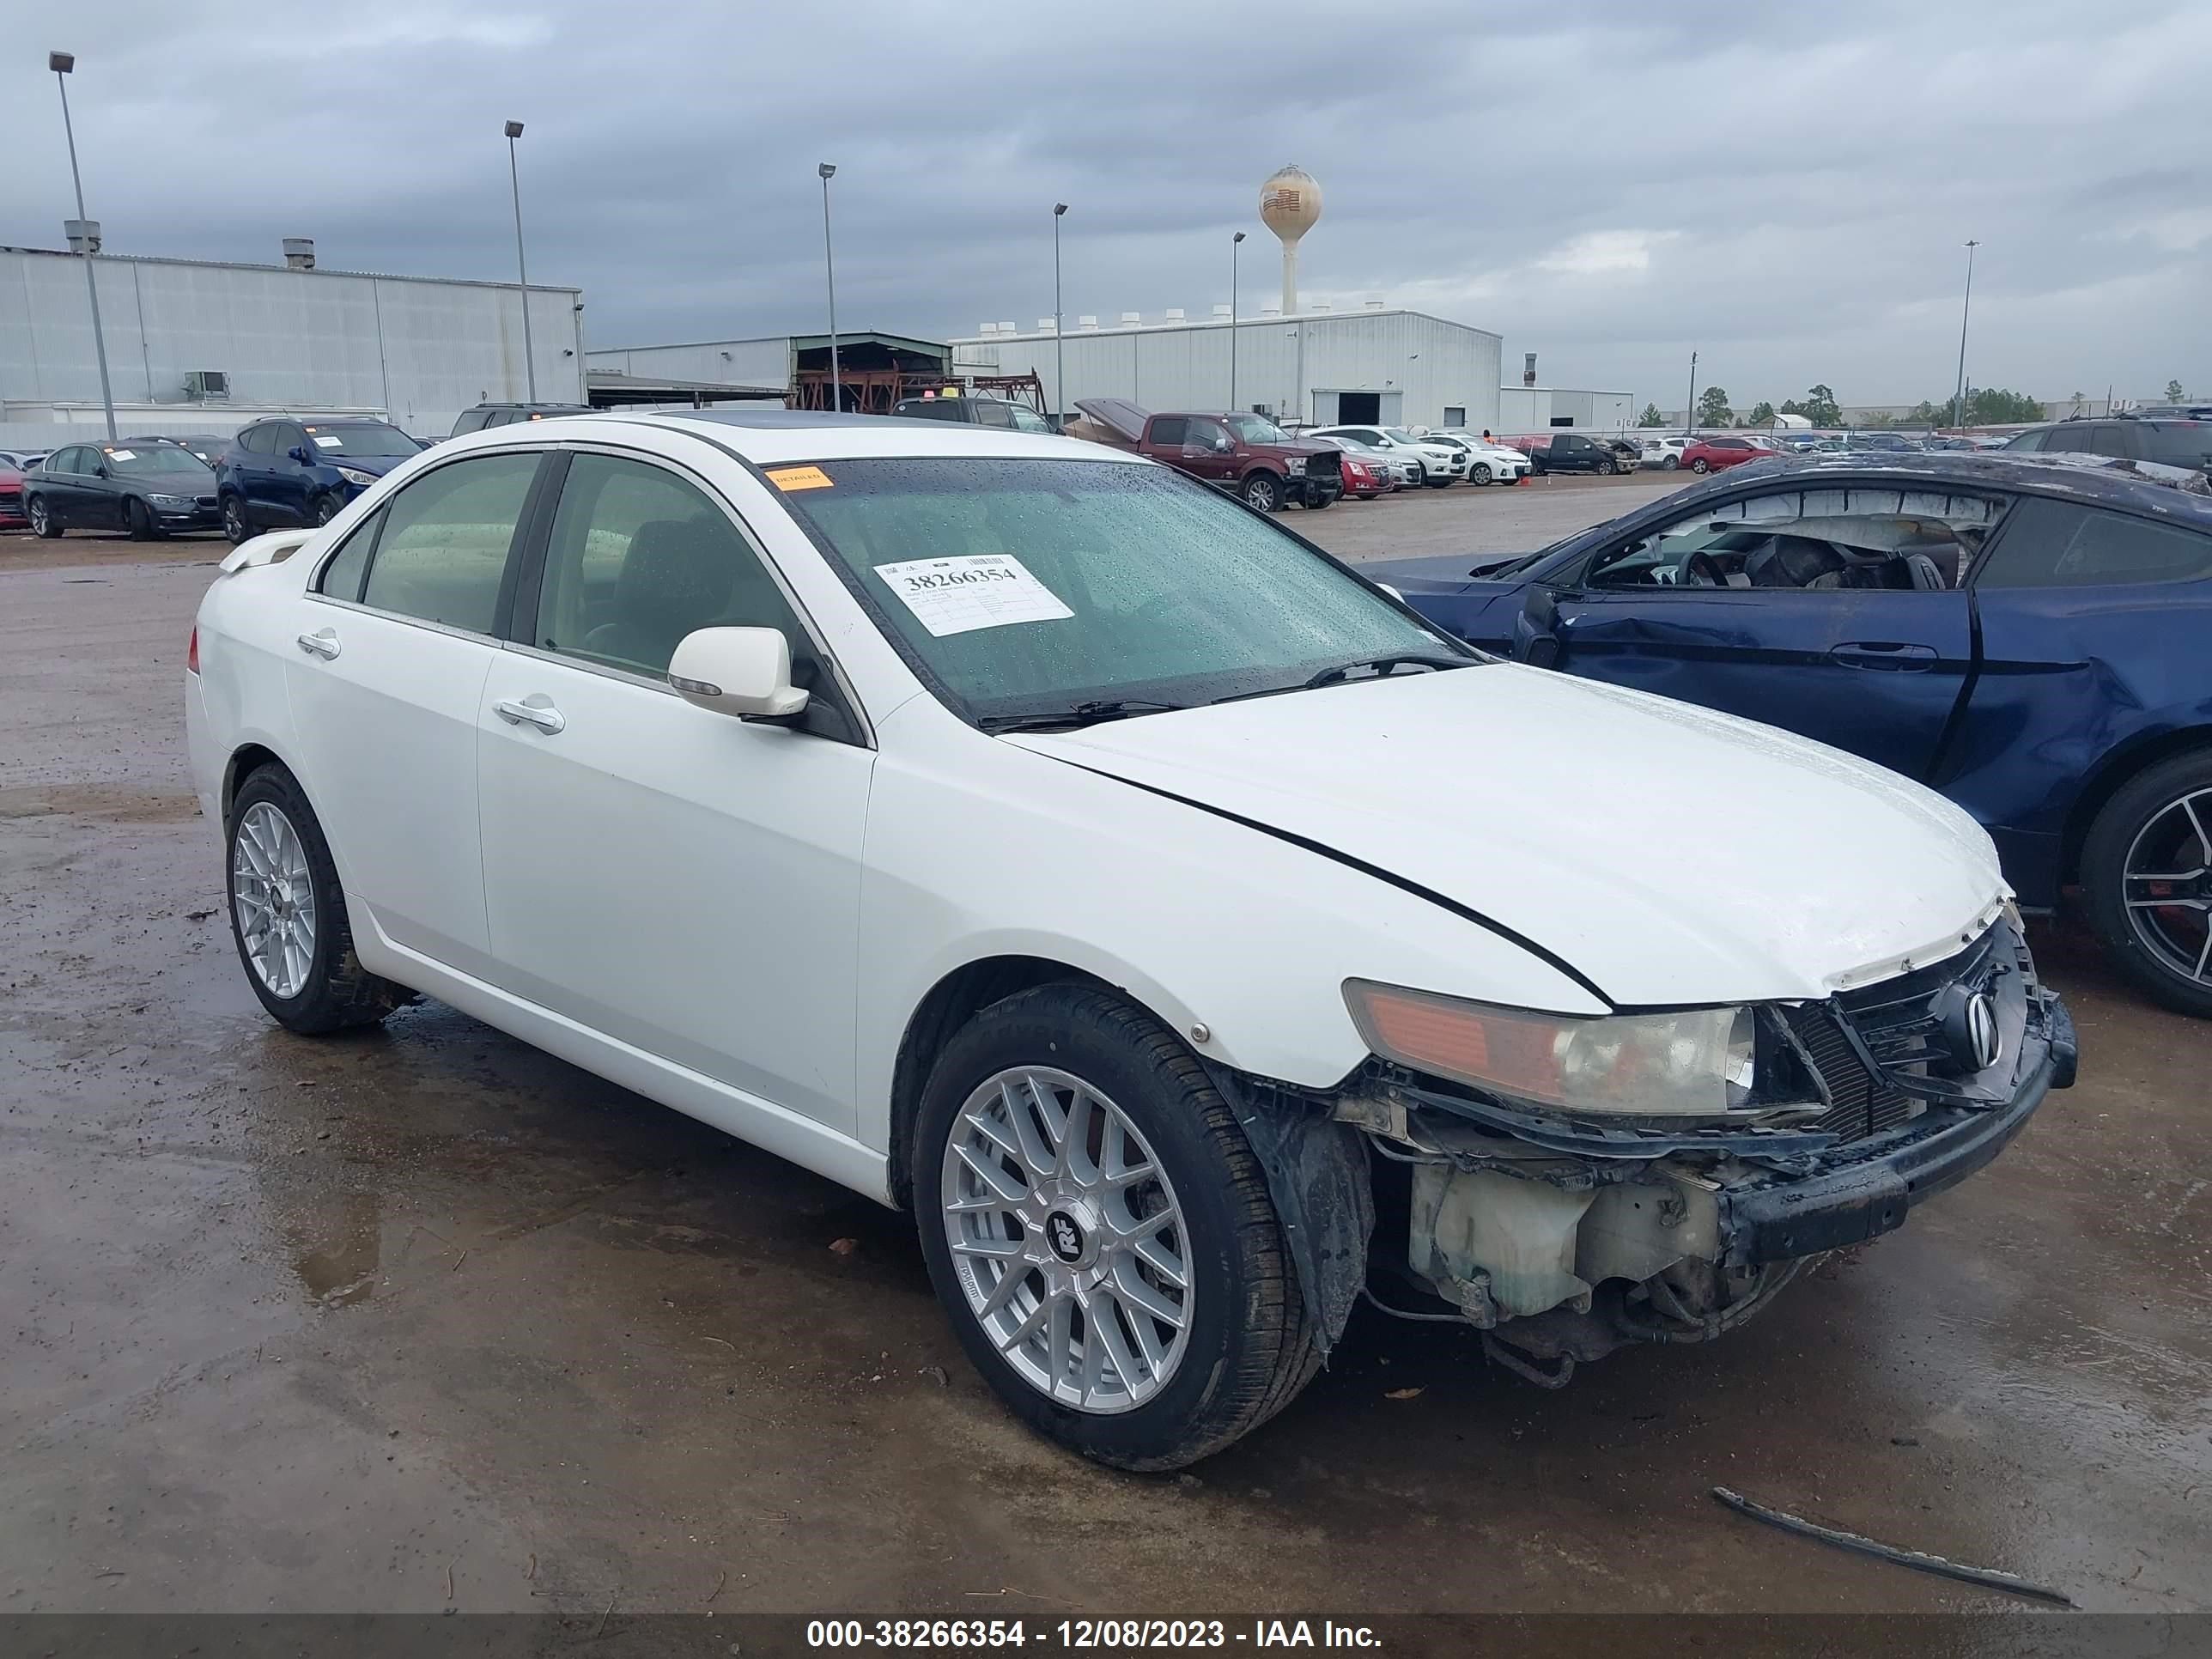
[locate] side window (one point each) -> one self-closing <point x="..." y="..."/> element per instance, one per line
<point x="67" y="461"/>
<point x="1206" y="433"/>
<point x="342" y="575"/>
<point x="1845" y="539"/>
<point x="444" y="548"/>
<point x="2058" y="545"/>
<point x="257" y="440"/>
<point x="991" y="414"/>
<point x="1169" y="429"/>
<point x="472" y="420"/>
<point x="289" y="438"/>
<point x="2028" y="440"/>
<point x="639" y="557"/>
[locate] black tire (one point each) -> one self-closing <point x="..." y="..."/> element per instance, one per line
<point x="2143" y="944"/>
<point x="235" y="526"/>
<point x="1699" y="466"/>
<point x="1606" y="469"/>
<point x="138" y="520"/>
<point x="1248" y="1351"/>
<point x="337" y="993"/>
<point x="43" y="523"/>
<point x="1478" y="473"/>
<point x="1442" y="482"/>
<point x="1264" y="492"/>
<point x="1314" y="503"/>
<point x="327" y="508"/>
<point x="1672" y="463"/>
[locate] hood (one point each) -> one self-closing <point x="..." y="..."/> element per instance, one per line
<point x="1441" y="571"/>
<point x="1668" y="854"/>
<point x="377" y="465"/>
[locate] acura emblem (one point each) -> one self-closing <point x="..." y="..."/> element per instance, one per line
<point x="1983" y="1039"/>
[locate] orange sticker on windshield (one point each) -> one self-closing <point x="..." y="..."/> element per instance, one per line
<point x="798" y="477"/>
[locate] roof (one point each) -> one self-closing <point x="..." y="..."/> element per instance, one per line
<point x="308" y="272"/>
<point x="774" y="437"/>
<point x="2111" y="483"/>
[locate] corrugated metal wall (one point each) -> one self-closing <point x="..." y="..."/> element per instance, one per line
<point x="1524" y="408"/>
<point x="1280" y="363"/>
<point x="423" y="349"/>
<point x="717" y="362"/>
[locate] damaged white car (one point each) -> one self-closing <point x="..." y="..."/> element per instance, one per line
<point x="1188" y="934"/>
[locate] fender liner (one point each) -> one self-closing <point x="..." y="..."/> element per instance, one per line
<point x="1316" y="1170"/>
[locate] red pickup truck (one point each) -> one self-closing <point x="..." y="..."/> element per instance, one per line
<point x="1247" y="454"/>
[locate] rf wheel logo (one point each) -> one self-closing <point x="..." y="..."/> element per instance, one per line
<point x="1064" y="1235"/>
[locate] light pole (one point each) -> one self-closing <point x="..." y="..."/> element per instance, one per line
<point x="826" y="171"/>
<point x="1690" y="413"/>
<point x="84" y="233"/>
<point x="1234" y="242"/>
<point x="1059" y="322"/>
<point x="1958" y="405"/>
<point x="521" y="266"/>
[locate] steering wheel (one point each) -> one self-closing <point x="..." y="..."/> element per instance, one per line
<point x="1701" y="571"/>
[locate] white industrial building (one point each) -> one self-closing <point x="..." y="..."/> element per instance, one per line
<point x="1376" y="364"/>
<point x="205" y="346"/>
<point x="1532" y="408"/>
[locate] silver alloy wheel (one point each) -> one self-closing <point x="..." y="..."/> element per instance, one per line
<point x="38" y="516"/>
<point x="1480" y="474"/>
<point x="2169" y="904"/>
<point x="274" y="894"/>
<point x="1067" y="1240"/>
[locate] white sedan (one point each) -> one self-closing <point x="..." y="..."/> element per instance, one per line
<point x="1488" y="461"/>
<point x="1439" y="465"/>
<point x="936" y="809"/>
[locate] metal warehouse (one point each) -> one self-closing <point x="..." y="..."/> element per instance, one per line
<point x="1376" y="364"/>
<point x="203" y="346"/>
<point x="874" y="369"/>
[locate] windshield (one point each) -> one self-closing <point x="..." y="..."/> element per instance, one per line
<point x="154" y="457"/>
<point x="1256" y="429"/>
<point x="369" y="439"/>
<point x="1024" y="420"/>
<point x="1400" y="434"/>
<point x="1022" y="587"/>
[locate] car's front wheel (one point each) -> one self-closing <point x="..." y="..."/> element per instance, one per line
<point x="1478" y="473"/>
<point x="2147" y="873"/>
<point x="1606" y="469"/>
<point x="327" y="508"/>
<point x="1700" y="465"/>
<point x="1099" y="1232"/>
<point x="288" y="913"/>
<point x="1264" y="492"/>
<point x="138" y="520"/>
<point x="43" y="522"/>
<point x="233" y="520"/>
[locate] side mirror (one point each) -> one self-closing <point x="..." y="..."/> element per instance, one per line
<point x="101" y="471"/>
<point x="745" y="671"/>
<point x="1223" y="446"/>
<point x="299" y="453"/>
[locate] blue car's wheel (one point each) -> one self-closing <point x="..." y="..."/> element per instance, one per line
<point x="2147" y="873"/>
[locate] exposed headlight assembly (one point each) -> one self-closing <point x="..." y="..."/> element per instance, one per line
<point x="1695" y="1063"/>
<point x="172" y="502"/>
<point x="355" y="476"/>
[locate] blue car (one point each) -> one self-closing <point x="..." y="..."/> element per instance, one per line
<point x="2032" y="638"/>
<point x="293" y="470"/>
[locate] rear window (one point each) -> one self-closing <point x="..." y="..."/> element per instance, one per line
<point x="2178" y="443"/>
<point x="2050" y="543"/>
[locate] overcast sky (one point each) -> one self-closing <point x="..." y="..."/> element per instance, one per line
<point x="1783" y="188"/>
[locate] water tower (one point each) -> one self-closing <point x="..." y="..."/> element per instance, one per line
<point x="1290" y="206"/>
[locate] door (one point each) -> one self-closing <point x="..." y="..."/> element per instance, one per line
<point x="61" y="484"/>
<point x="1832" y="612"/>
<point x="683" y="881"/>
<point x="1208" y="451"/>
<point x="248" y="465"/>
<point x="287" y="481"/>
<point x="2094" y="625"/>
<point x="1362" y="408"/>
<point x="385" y="691"/>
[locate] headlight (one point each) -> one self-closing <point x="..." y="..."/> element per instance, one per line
<point x="172" y="502"/>
<point x="1295" y="464"/>
<point x="355" y="476"/>
<point x="1695" y="1063"/>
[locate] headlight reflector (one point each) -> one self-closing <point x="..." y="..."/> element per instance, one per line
<point x="1696" y="1062"/>
<point x="355" y="476"/>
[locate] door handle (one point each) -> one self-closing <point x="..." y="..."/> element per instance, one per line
<point x="323" y="643"/>
<point x="1897" y="656"/>
<point x="546" y="718"/>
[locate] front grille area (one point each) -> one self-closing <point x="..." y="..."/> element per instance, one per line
<point x="1902" y="1022"/>
<point x="204" y="500"/>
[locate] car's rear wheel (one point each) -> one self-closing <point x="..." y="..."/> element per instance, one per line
<point x="288" y="913"/>
<point x="2147" y="872"/>
<point x="233" y="520"/>
<point x="1699" y="466"/>
<point x="138" y="520"/>
<point x="1101" y="1233"/>
<point x="1264" y="492"/>
<point x="1672" y="463"/>
<point x="43" y="522"/>
<point x="1478" y="473"/>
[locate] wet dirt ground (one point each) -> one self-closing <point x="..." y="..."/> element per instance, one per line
<point x="421" y="1319"/>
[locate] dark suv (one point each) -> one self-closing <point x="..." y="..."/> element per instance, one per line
<point x="488" y="414"/>
<point x="2167" y="442"/>
<point x="290" y="471"/>
<point x="977" y="411"/>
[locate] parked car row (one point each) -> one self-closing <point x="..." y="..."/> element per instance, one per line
<point x="1192" y="937"/>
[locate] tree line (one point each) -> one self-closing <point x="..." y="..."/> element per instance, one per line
<point x="1986" y="405"/>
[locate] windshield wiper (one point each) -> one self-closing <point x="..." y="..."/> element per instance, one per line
<point x="1382" y="665"/>
<point x="1081" y="714"/>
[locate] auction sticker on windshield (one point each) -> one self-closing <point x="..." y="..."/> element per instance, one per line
<point x="978" y="590"/>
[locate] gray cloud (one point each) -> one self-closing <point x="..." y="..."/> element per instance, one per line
<point x="1610" y="187"/>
